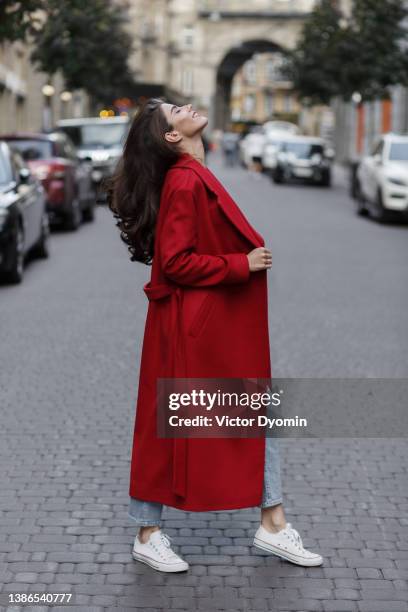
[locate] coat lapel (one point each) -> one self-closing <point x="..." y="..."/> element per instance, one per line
<point x="225" y="201"/>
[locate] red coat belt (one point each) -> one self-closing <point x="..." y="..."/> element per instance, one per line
<point x="180" y="445"/>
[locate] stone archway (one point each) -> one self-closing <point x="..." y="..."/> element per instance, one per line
<point x="200" y="67"/>
<point x="228" y="66"/>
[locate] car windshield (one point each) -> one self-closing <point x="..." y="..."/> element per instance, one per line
<point x="399" y="151"/>
<point x="99" y="135"/>
<point x="256" y="129"/>
<point x="4" y="171"/>
<point x="32" y="149"/>
<point x="281" y="125"/>
<point x="303" y="150"/>
<point x="275" y="143"/>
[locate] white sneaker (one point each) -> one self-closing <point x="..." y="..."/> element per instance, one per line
<point x="287" y="544"/>
<point x="157" y="553"/>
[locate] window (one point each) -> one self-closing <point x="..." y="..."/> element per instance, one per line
<point x="302" y="150"/>
<point x="69" y="149"/>
<point x="33" y="149"/>
<point x="269" y="103"/>
<point x="104" y="135"/>
<point x="270" y="70"/>
<point x="59" y="148"/>
<point x="188" y="36"/>
<point x="249" y="103"/>
<point x="399" y="151"/>
<point x="158" y="22"/>
<point x="18" y="164"/>
<point x="250" y="71"/>
<point x="187" y="85"/>
<point x="288" y="103"/>
<point x="5" y="171"/>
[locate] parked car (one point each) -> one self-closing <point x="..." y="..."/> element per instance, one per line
<point x="66" y="180"/>
<point x="253" y="144"/>
<point x="270" y="150"/>
<point x="303" y="158"/>
<point x="381" y="179"/>
<point x="24" y="223"/>
<point x="281" y="126"/>
<point x="99" y="140"/>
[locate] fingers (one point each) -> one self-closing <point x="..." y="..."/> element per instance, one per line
<point x="260" y="259"/>
<point x="267" y="257"/>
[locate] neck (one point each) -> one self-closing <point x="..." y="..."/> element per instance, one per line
<point x="195" y="148"/>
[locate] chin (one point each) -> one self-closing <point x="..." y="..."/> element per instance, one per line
<point x="203" y="122"/>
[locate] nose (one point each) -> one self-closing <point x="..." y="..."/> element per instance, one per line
<point x="189" y="106"/>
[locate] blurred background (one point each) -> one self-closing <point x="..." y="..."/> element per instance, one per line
<point x="291" y="88"/>
<point x="347" y="62"/>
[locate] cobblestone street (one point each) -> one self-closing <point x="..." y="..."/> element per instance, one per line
<point x="71" y="340"/>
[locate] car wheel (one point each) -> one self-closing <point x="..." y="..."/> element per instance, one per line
<point x="359" y="199"/>
<point x="353" y="182"/>
<point x="326" y="179"/>
<point x="380" y="213"/>
<point x="74" y="216"/>
<point x="16" y="272"/>
<point x="277" y="176"/>
<point x="89" y="212"/>
<point x="42" y="248"/>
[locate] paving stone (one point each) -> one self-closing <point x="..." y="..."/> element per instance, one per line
<point x="339" y="605"/>
<point x="378" y="606"/>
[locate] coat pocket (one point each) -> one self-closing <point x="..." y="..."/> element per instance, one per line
<point x="201" y="316"/>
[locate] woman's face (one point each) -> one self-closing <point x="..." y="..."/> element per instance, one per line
<point x="185" y="120"/>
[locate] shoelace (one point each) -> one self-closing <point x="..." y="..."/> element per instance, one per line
<point x="166" y="539"/>
<point x="295" y="534"/>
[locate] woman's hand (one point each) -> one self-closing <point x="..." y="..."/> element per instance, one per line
<point x="259" y="259"/>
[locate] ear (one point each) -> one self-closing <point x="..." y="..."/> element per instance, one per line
<point x="173" y="136"/>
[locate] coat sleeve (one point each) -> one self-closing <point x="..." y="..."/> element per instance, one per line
<point x="179" y="259"/>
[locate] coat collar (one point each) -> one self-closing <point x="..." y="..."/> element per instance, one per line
<point x="225" y="201"/>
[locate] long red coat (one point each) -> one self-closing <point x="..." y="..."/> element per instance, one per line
<point x="207" y="318"/>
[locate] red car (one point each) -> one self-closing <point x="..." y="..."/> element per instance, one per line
<point x="67" y="181"/>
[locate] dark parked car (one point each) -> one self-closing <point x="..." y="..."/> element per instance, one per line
<point x="66" y="179"/>
<point x="24" y="224"/>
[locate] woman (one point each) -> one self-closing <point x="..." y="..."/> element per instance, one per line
<point x="207" y="318"/>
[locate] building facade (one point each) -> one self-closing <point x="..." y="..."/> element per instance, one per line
<point x="23" y="105"/>
<point x="195" y="47"/>
<point x="260" y="92"/>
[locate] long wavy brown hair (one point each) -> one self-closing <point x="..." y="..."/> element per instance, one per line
<point x="133" y="192"/>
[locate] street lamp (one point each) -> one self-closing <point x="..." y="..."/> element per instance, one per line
<point x="356" y="97"/>
<point x="48" y="91"/>
<point x="66" y="96"/>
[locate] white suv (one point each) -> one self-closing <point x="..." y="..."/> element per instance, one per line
<point x="381" y="187"/>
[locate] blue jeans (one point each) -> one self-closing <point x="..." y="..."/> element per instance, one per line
<point x="149" y="513"/>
